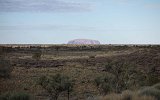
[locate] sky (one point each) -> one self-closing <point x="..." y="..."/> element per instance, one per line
<point x="58" y="21"/>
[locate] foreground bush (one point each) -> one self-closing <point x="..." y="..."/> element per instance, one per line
<point x="146" y="93"/>
<point x="15" y="96"/>
<point x="119" y="77"/>
<point x="157" y="86"/>
<point x="105" y="83"/>
<point x="5" y="68"/>
<point x="150" y="91"/>
<point x="1" y="51"/>
<point x="5" y="65"/>
<point x="54" y="85"/>
<point x="37" y="55"/>
<point x="126" y="95"/>
<point x="152" y="75"/>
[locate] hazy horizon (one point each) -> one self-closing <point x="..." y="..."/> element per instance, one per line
<point x="59" y="21"/>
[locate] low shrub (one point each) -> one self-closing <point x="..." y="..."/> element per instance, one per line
<point x="92" y="56"/>
<point x="5" y="65"/>
<point x="150" y="91"/>
<point x="37" y="55"/>
<point x="157" y="86"/>
<point x="126" y="95"/>
<point x="56" y="84"/>
<point x="1" y="50"/>
<point x="105" y="83"/>
<point x="5" y="68"/>
<point x="152" y="76"/>
<point x="120" y="76"/>
<point x="15" y="96"/>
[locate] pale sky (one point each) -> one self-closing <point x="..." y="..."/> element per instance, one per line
<point x="58" y="21"/>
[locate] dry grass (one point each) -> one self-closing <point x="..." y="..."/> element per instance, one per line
<point x="127" y="95"/>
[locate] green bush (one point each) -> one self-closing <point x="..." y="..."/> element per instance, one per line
<point x="157" y="86"/>
<point x="92" y="56"/>
<point x="54" y="85"/>
<point x="1" y="51"/>
<point x="152" y="75"/>
<point x="126" y="75"/>
<point x="105" y="83"/>
<point x="15" y="96"/>
<point x="5" y="65"/>
<point x="37" y="55"/>
<point x="126" y="95"/>
<point x="5" y="68"/>
<point x="150" y="91"/>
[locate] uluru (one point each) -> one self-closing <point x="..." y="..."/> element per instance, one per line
<point x="83" y="41"/>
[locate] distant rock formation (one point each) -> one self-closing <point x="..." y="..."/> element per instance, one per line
<point x="83" y="41"/>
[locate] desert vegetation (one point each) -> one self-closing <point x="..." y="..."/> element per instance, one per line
<point x="5" y="65"/>
<point x="54" y="85"/>
<point x="15" y="96"/>
<point x="79" y="72"/>
<point x="145" y="93"/>
<point x="37" y="55"/>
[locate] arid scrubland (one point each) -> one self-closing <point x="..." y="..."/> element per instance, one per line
<point x="80" y="72"/>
